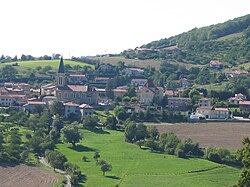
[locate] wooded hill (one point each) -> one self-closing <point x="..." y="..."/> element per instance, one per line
<point x="228" y="42"/>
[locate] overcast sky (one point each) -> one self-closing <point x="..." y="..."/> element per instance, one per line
<point x="90" y="27"/>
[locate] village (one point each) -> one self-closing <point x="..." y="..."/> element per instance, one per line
<point x="81" y="96"/>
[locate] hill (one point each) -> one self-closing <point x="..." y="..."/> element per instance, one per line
<point x="228" y="42"/>
<point x="43" y="63"/>
<point x="133" y="166"/>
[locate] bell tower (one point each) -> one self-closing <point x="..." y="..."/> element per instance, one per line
<point x="61" y="74"/>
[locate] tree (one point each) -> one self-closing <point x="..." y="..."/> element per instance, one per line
<point x="130" y="132"/>
<point x="57" y="108"/>
<point x="90" y="122"/>
<point x="244" y="156"/>
<point x="71" y="134"/>
<point x="109" y="89"/>
<point x="104" y="166"/>
<point x="193" y="92"/>
<point x="56" y="159"/>
<point x="153" y="132"/>
<point x="96" y="156"/>
<point x="111" y="122"/>
<point x="9" y="71"/>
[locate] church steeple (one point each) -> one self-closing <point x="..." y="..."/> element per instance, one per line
<point x="61" y="74"/>
<point x="61" y="66"/>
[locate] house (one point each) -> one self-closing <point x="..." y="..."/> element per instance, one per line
<point x="101" y="80"/>
<point x="211" y="112"/>
<point x="172" y="49"/>
<point x="244" y="106"/>
<point x="237" y="98"/>
<point x="49" y="99"/>
<point x="86" y="110"/>
<point x="185" y="83"/>
<point x="134" y="72"/>
<point x="216" y="64"/>
<point x="73" y="93"/>
<point x="10" y="100"/>
<point x="145" y="95"/>
<point x="17" y="88"/>
<point x="149" y="93"/>
<point x="119" y="92"/>
<point x="236" y="73"/>
<point x="138" y="82"/>
<point x="48" y="89"/>
<point x="71" y="110"/>
<point x="33" y="106"/>
<point x="78" y="78"/>
<point x="171" y="93"/>
<point x="204" y="102"/>
<point x="178" y="103"/>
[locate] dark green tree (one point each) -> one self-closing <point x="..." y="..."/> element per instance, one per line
<point x="71" y="134"/>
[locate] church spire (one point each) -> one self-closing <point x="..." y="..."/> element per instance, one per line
<point x="61" y="66"/>
<point x="61" y="74"/>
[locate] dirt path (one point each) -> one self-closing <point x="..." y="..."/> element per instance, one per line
<point x="26" y="176"/>
<point x="43" y="161"/>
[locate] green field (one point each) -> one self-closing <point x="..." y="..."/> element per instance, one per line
<point x="53" y="63"/>
<point x="133" y="166"/>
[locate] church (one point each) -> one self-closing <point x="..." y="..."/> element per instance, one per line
<point x="74" y="93"/>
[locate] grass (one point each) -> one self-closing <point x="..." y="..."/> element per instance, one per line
<point x="231" y="36"/>
<point x="133" y="166"/>
<point x="53" y="63"/>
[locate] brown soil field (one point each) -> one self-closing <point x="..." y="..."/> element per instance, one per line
<point x="141" y="63"/>
<point x="26" y="176"/>
<point x="217" y="134"/>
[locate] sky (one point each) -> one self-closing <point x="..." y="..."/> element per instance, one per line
<point x="91" y="27"/>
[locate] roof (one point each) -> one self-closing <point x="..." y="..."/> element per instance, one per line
<point x="215" y="62"/>
<point x="61" y="66"/>
<point x="101" y="78"/>
<point x="169" y="92"/>
<point x="144" y="88"/>
<point x="12" y="96"/>
<point x="160" y="88"/>
<point x="71" y="104"/>
<point x="86" y="106"/>
<point x="244" y="103"/>
<point x="221" y="109"/>
<point x="171" y="48"/>
<point x="235" y="99"/>
<point x="135" y="69"/>
<point x="120" y="90"/>
<point x="204" y="99"/>
<point x="75" y="88"/>
<point x="77" y="75"/>
<point x="36" y="103"/>
<point x="139" y="80"/>
<point x="205" y="108"/>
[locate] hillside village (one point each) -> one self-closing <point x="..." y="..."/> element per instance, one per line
<point x="82" y="95"/>
<point x="173" y="112"/>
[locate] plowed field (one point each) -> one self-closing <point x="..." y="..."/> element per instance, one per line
<point x="26" y="176"/>
<point x="217" y="134"/>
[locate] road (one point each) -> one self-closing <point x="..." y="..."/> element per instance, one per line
<point x="45" y="163"/>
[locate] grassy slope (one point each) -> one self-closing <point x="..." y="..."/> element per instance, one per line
<point x="136" y="167"/>
<point x="43" y="63"/>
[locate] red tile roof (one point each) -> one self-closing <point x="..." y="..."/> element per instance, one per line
<point x="86" y="106"/>
<point x="71" y="104"/>
<point x="244" y="103"/>
<point x="221" y="109"/>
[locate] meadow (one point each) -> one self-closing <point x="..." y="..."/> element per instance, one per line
<point x="35" y="63"/>
<point x="133" y="166"/>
